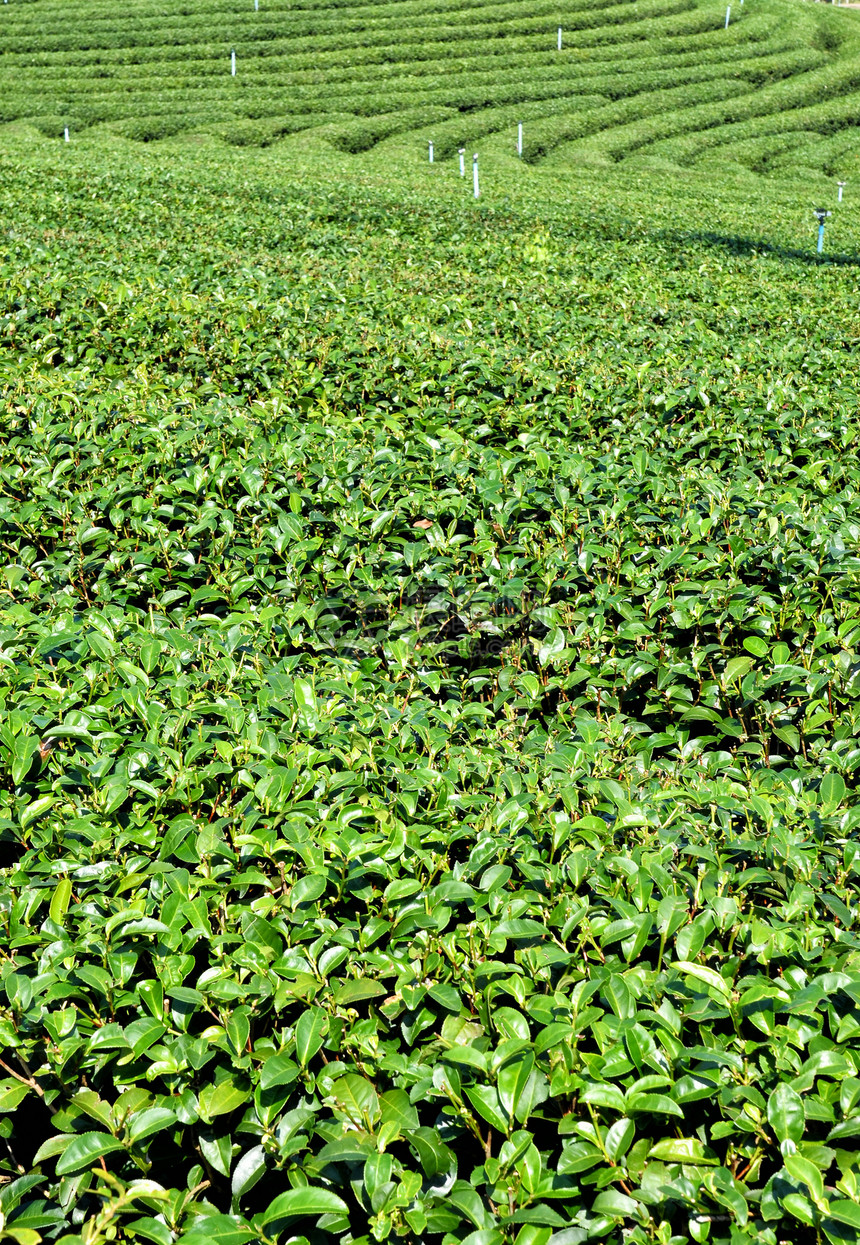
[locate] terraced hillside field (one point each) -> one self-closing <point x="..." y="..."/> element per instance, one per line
<point x="655" y="82"/>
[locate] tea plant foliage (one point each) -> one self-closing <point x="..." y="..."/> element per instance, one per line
<point x="429" y="651"/>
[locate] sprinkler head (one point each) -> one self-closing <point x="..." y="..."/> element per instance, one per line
<point x="822" y="214"/>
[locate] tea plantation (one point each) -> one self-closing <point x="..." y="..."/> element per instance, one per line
<point x="429" y="627"/>
<point x="650" y="82"/>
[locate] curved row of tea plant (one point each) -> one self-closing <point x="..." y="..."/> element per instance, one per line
<point x="394" y="76"/>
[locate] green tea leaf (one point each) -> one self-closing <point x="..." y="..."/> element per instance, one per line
<point x="221" y="1099"/>
<point x="60" y="900"/>
<point x="308" y="1200"/>
<point x="85" y="1150"/>
<point x="831" y="792"/>
<point x="311" y="1029"/>
<point x="682" y="1150"/>
<point x="785" y="1113"/>
<point x="707" y="976"/>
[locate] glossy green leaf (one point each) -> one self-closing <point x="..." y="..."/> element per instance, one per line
<point x="707" y="976"/>
<point x="60" y="900"/>
<point x="785" y="1113"/>
<point x="682" y="1150"/>
<point x="84" y="1150"/>
<point x="221" y="1099"/>
<point x="307" y="1200"/>
<point x="844" y="1211"/>
<point x="311" y="1029"/>
<point x="220" y="1229"/>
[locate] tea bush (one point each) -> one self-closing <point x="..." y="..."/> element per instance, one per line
<point x="429" y="663"/>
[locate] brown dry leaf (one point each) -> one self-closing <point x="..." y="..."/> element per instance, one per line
<point x="423" y="523"/>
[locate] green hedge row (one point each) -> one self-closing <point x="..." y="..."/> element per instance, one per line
<point x="757" y="35"/>
<point x="545" y="136"/>
<point x="471" y="128"/>
<point x="760" y="155"/>
<point x="554" y="121"/>
<point x="52" y="17"/>
<point x="539" y="85"/>
<point x="749" y="117"/>
<point x="697" y="119"/>
<point x="831" y="117"/>
<point x="363" y="133"/>
<point x="641" y="72"/>
<point x="459" y="96"/>
<point x="253" y="30"/>
<point x="405" y="73"/>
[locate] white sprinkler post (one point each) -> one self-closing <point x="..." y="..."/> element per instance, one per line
<point x="728" y="15"/>
<point x="841" y="186"/>
<point x="66" y="133"/>
<point x="256" y="6"/>
<point x="430" y="153"/>
<point x="232" y="64"/>
<point x="462" y="154"/>
<point x="559" y="38"/>
<point x="520" y="139"/>
<point x="475" y="175"/>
